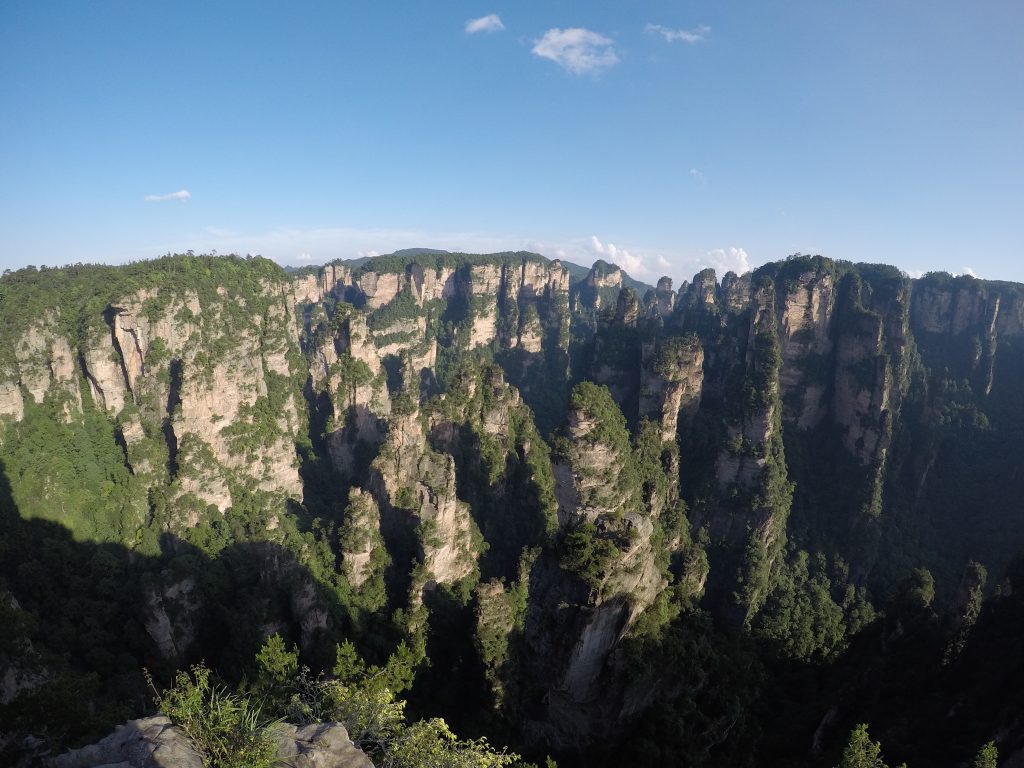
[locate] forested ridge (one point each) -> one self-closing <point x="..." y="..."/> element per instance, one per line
<point x="769" y="519"/>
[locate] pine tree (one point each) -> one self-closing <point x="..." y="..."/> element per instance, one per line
<point x="987" y="757"/>
<point x="861" y="751"/>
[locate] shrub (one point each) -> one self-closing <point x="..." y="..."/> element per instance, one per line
<point x="227" y="729"/>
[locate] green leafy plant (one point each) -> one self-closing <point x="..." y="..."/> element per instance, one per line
<point x="228" y="729"/>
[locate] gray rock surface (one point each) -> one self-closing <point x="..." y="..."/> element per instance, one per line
<point x="321" y="745"/>
<point x="154" y="742"/>
<point x="148" y="743"/>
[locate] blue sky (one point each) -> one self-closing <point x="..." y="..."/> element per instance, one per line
<point x="667" y="136"/>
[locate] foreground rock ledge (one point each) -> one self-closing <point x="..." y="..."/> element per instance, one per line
<point x="154" y="742"/>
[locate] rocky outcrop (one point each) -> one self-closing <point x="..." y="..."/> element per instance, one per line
<point x="575" y="642"/>
<point x="672" y="378"/>
<point x="590" y="484"/>
<point x="959" y="325"/>
<point x="201" y="377"/>
<point x="319" y="745"/>
<point x="861" y="387"/>
<point x="704" y="304"/>
<point x="345" y="367"/>
<point x="599" y="289"/>
<point x="307" y="608"/>
<point x="11" y="403"/>
<point x="379" y="289"/>
<point x="703" y="290"/>
<point x="171" y="616"/>
<point x="605" y="276"/>
<point x="208" y="377"/>
<point x="307" y="289"/>
<point x="749" y="522"/>
<point x="805" y="344"/>
<point x="944" y="305"/>
<point x="481" y="399"/>
<point x="572" y="639"/>
<point x="496" y="292"/>
<point x="331" y="280"/>
<point x="665" y="298"/>
<point x="103" y="370"/>
<point x="871" y="361"/>
<point x="485" y="279"/>
<point x="753" y="424"/>
<point x="360" y="537"/>
<point x="594" y="485"/>
<point x="154" y="742"/>
<point x="47" y="364"/>
<point x="416" y="485"/>
<point x="483" y="329"/>
<point x="736" y="291"/>
<point x="531" y="332"/>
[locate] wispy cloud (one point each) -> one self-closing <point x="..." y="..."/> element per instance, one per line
<point x="970" y="272"/>
<point x="577" y="50"/>
<point x="181" y="194"/>
<point x="690" y="36"/>
<point x="698" y="176"/>
<point x="318" y="246"/>
<point x="634" y="264"/>
<point x="489" y="23"/>
<point x="724" y="260"/>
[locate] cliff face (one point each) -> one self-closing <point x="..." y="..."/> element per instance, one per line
<point x="961" y="323"/>
<point x="409" y="429"/>
<point x="581" y="609"/>
<point x="485" y="292"/>
<point x="416" y="486"/>
<point x="201" y="390"/>
<point x="671" y="381"/>
<point x="805" y="339"/>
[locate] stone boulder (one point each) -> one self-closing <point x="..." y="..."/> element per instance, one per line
<point x="154" y="742"/>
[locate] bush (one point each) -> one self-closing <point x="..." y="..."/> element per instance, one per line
<point x="227" y="729"/>
<point x="431" y="744"/>
<point x="585" y="553"/>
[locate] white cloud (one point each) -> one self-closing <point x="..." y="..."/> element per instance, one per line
<point x="181" y="194"/>
<point x="698" y="175"/>
<point x="732" y="260"/>
<point x="915" y="273"/>
<point x="371" y="254"/>
<point x="633" y="264"/>
<point x="969" y="271"/>
<point x="489" y="23"/>
<point x="684" y="35"/>
<point x="291" y="246"/>
<point x="577" y="50"/>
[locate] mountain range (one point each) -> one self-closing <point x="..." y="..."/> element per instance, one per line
<point x="616" y="523"/>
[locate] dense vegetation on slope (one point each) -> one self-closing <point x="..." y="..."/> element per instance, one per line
<point x="724" y="526"/>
